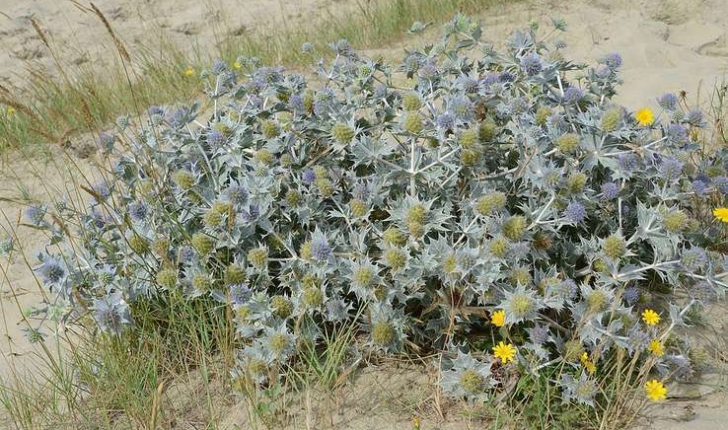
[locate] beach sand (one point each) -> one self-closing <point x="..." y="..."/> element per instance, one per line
<point x="667" y="46"/>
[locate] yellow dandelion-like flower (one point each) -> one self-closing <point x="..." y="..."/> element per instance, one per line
<point x="237" y="65"/>
<point x="505" y="352"/>
<point x="588" y="364"/>
<point x="650" y="317"/>
<point x="189" y="72"/>
<point x="721" y="214"/>
<point x="655" y="390"/>
<point x="10" y="111"/>
<point x="498" y="318"/>
<point x="656" y="348"/>
<point x="644" y="116"/>
<point x="416" y="423"/>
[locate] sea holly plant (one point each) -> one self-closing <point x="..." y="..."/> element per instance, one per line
<point x="494" y="194"/>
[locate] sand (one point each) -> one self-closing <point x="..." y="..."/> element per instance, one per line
<point x="667" y="45"/>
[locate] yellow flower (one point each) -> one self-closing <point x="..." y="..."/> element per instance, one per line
<point x="644" y="116"/>
<point x="650" y="317"/>
<point x="10" y="111"/>
<point x="237" y="65"/>
<point x="505" y="352"/>
<point x="721" y="214"/>
<point x="655" y="390"/>
<point x="189" y="72"/>
<point x="656" y="348"/>
<point x="498" y="318"/>
<point x="416" y="423"/>
<point x="588" y="364"/>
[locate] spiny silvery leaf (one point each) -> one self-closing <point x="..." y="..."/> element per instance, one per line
<point x="418" y="27"/>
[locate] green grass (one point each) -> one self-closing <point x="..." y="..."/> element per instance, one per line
<point x="70" y="100"/>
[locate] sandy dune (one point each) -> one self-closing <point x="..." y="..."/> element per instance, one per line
<point x="667" y="45"/>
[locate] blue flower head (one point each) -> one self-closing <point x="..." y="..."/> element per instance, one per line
<point x="215" y="140"/>
<point x="446" y="120"/>
<point x="138" y="210"/>
<point x="668" y="101"/>
<point x="613" y="61"/>
<point x="240" y="294"/>
<point x="573" y="95"/>
<point x="609" y="190"/>
<point x="35" y="215"/>
<point x="320" y="249"/>
<point x="670" y="168"/>
<point x="531" y="64"/>
<point x="575" y="212"/>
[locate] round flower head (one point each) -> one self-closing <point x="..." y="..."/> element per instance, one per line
<point x="236" y="194"/>
<point x="695" y="118"/>
<point x="413" y="123"/>
<point x="186" y="255"/>
<point x="650" y="317"/>
<point x="467" y="84"/>
<point x="467" y="378"/>
<point x="668" y="101"/>
<point x="462" y="108"/>
<point x="670" y="168"/>
<point x="631" y="295"/>
<point x="138" y="210"/>
<point x="531" y="64"/>
<point x="240" y="294"/>
<point x="52" y="270"/>
<point x="337" y="310"/>
<point x="520" y="305"/>
<point x="575" y="212"/>
<point x="498" y="318"/>
<point x="699" y="187"/>
<point x="582" y="390"/>
<point x="610" y="190"/>
<point x="446" y="120"/>
<point x="219" y="67"/>
<point x="677" y="133"/>
<point x="656" y="348"/>
<point x="111" y="313"/>
<point x="573" y="95"/>
<point x="611" y="119"/>
<point x="614" y="247"/>
<point x="655" y="390"/>
<point x="721" y="214"/>
<point x="504" y="352"/>
<point x="613" y="61"/>
<point x="491" y="202"/>
<point x="428" y="73"/>
<point x="215" y="140"/>
<point x="644" y="116"/>
<point x="308" y="176"/>
<point x="320" y="249"/>
<point x="35" y="215"/>
<point x="628" y="162"/>
<point x="342" y="133"/>
<point x="386" y="330"/>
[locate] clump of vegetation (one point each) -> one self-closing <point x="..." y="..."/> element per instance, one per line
<point x="500" y="209"/>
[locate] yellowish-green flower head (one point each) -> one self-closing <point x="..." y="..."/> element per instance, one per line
<point x="383" y="333"/>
